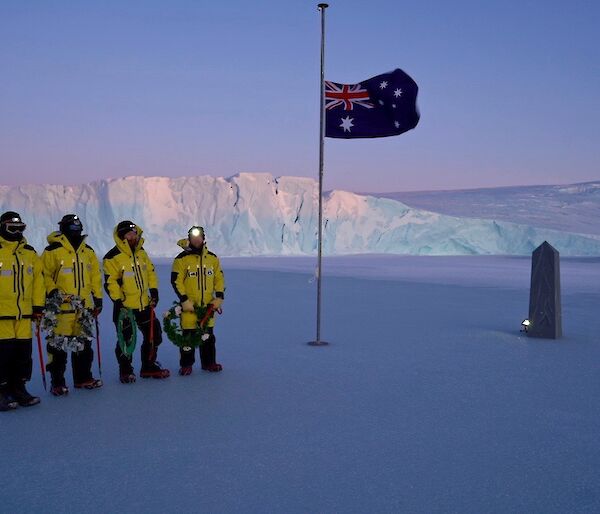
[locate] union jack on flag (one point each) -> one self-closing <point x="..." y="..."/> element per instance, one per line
<point x="385" y="105"/>
<point x="346" y="95"/>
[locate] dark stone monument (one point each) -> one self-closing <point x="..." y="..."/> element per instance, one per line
<point x="545" y="314"/>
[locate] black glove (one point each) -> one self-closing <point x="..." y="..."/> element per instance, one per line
<point x="97" y="306"/>
<point x="53" y="293"/>
<point x="117" y="306"/>
<point x="154" y="296"/>
<point x="37" y="313"/>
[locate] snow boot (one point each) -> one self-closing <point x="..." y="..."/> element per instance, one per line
<point x="7" y="403"/>
<point x="127" y="377"/>
<point x="213" y="368"/>
<point x="22" y="396"/>
<point x="92" y="383"/>
<point x="154" y="370"/>
<point x="184" y="371"/>
<point x="59" y="390"/>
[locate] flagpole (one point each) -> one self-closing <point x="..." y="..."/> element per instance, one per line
<point x="318" y="341"/>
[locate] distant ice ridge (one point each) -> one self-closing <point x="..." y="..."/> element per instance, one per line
<point x="258" y="214"/>
<point x="569" y="208"/>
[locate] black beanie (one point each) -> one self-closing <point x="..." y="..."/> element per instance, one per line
<point x="70" y="224"/>
<point x="11" y="216"/>
<point x="124" y="227"/>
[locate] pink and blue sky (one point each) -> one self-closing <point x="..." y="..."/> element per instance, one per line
<point x="509" y="90"/>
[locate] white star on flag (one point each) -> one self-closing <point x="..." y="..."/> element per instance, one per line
<point x="347" y="123"/>
<point x="398" y="92"/>
<point x="396" y="124"/>
<point x="380" y="102"/>
<point x="383" y="85"/>
<point x="394" y="106"/>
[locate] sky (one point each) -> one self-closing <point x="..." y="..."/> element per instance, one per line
<point x="508" y="90"/>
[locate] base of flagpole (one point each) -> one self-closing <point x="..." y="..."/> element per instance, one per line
<point x="317" y="343"/>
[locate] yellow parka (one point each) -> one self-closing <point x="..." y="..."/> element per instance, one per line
<point x="129" y="274"/>
<point x="21" y="280"/>
<point x="73" y="272"/>
<point x="197" y="275"/>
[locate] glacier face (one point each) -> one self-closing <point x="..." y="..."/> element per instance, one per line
<point x="258" y="214"/>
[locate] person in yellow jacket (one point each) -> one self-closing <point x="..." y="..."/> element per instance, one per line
<point x="71" y="268"/>
<point x="198" y="280"/>
<point x="22" y="298"/>
<point x="131" y="283"/>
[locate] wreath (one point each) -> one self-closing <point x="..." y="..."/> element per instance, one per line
<point x="127" y="346"/>
<point x="193" y="338"/>
<point x="83" y="317"/>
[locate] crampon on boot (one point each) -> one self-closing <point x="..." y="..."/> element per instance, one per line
<point x="127" y="377"/>
<point x="213" y="368"/>
<point x="6" y="403"/>
<point x="154" y="370"/>
<point x="92" y="383"/>
<point x="22" y="396"/>
<point x="184" y="371"/>
<point x="59" y="390"/>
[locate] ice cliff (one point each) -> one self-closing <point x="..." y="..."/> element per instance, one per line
<point x="258" y="214"/>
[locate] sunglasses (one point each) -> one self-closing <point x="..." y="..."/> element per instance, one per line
<point x="14" y="226"/>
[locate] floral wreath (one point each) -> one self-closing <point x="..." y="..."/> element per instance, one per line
<point x="83" y="316"/>
<point x="175" y="333"/>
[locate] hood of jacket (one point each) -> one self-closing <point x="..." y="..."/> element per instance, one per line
<point x="123" y="245"/>
<point x="185" y="244"/>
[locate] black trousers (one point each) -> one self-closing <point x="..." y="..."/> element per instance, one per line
<point x="142" y="319"/>
<point x="81" y="364"/>
<point x="15" y="361"/>
<point x="208" y="350"/>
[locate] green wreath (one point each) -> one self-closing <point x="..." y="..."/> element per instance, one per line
<point x="191" y="339"/>
<point x="127" y="347"/>
<point x="84" y="317"/>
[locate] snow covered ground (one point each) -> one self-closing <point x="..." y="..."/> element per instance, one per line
<point x="428" y="399"/>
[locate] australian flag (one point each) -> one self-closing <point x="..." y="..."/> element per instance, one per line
<point x="385" y="105"/>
